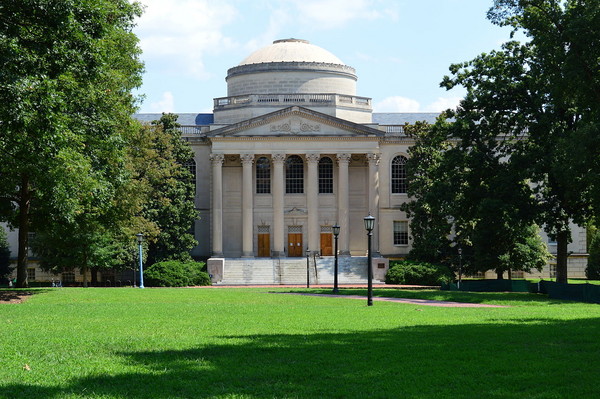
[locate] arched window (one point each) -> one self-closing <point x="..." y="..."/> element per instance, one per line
<point x="263" y="176"/>
<point x="294" y="175"/>
<point x="399" y="180"/>
<point x="325" y="176"/>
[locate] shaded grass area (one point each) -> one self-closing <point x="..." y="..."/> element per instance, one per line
<point x="245" y="343"/>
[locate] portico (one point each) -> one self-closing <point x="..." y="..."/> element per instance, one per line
<point x="292" y="210"/>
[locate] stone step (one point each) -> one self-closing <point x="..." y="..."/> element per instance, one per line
<point x="351" y="270"/>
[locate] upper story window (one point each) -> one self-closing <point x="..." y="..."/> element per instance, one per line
<point x="190" y="165"/>
<point x="294" y="175"/>
<point x="401" y="232"/>
<point x="263" y="176"/>
<point x="325" y="176"/>
<point x="399" y="180"/>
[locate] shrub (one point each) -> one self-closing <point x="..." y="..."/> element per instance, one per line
<point x="418" y="273"/>
<point x="592" y="272"/>
<point x="176" y="274"/>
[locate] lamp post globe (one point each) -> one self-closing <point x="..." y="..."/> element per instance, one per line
<point x="336" y="233"/>
<point x="140" y="239"/>
<point x="369" y="225"/>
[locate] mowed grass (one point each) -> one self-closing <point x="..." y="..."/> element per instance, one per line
<point x="249" y="343"/>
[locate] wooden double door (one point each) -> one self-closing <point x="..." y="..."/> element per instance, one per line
<point x="326" y="244"/>
<point x="295" y="247"/>
<point x="264" y="245"/>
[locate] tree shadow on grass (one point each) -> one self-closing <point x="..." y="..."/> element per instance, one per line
<point x="534" y="359"/>
<point x="11" y="295"/>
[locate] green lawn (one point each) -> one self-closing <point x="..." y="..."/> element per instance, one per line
<point x="247" y="343"/>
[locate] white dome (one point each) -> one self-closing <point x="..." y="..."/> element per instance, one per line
<point x="291" y="50"/>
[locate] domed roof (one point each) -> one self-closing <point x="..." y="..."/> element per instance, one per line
<point x="291" y="50"/>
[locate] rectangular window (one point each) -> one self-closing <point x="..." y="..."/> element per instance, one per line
<point x="400" y="232"/>
<point x="31" y="273"/>
<point x="263" y="176"/>
<point x="68" y="277"/>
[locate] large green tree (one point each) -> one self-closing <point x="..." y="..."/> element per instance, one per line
<point x="534" y="108"/>
<point x="67" y="68"/>
<point x="466" y="195"/>
<point x="160" y="162"/>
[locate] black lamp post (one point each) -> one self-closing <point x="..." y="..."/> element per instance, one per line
<point x="459" y="266"/>
<point x="140" y="239"/>
<point x="336" y="233"/>
<point x="307" y="268"/>
<point x="369" y="224"/>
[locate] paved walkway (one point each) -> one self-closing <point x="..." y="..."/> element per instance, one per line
<point x="424" y="302"/>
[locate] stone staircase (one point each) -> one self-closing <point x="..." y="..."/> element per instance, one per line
<point x="351" y="270"/>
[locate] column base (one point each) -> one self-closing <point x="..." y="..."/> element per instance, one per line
<point x="217" y="255"/>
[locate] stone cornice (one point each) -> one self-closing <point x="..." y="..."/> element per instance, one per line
<point x="270" y="67"/>
<point x="292" y="138"/>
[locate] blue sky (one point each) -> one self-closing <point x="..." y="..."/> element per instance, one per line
<point x="401" y="49"/>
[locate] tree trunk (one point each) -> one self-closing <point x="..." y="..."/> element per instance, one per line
<point x="562" y="240"/>
<point x="84" y="270"/>
<point x="500" y="274"/>
<point x="24" y="207"/>
<point x="94" y="279"/>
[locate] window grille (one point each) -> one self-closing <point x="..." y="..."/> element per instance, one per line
<point x="325" y="176"/>
<point x="294" y="229"/>
<point x="262" y="229"/>
<point x="399" y="179"/>
<point x="294" y="177"/>
<point x="263" y="176"/>
<point x="400" y="233"/>
<point x="31" y="273"/>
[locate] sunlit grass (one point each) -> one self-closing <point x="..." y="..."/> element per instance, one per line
<point x="248" y="343"/>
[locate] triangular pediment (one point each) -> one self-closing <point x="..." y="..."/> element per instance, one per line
<point x="295" y="121"/>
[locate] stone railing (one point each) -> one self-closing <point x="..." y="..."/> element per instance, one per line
<point x="191" y="130"/>
<point x="309" y="99"/>
<point x="394" y="130"/>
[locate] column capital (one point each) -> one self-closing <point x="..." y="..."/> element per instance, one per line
<point x="247" y="158"/>
<point x="373" y="158"/>
<point x="217" y="159"/>
<point x="343" y="158"/>
<point x="278" y="158"/>
<point x="313" y="158"/>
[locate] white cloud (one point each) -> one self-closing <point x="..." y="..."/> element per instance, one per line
<point x="403" y="104"/>
<point x="181" y="32"/>
<point x="335" y="13"/>
<point x="397" y="104"/>
<point x="442" y="104"/>
<point x="165" y="104"/>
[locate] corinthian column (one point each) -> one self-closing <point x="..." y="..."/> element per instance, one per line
<point x="343" y="204"/>
<point x="373" y="160"/>
<point x="278" y="241"/>
<point x="217" y="204"/>
<point x="312" y="201"/>
<point x="247" y="206"/>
